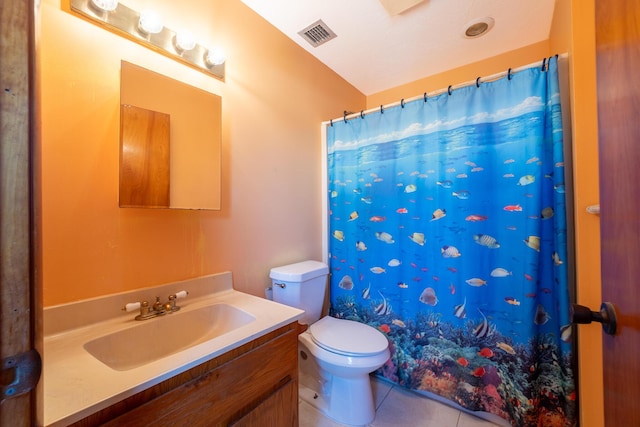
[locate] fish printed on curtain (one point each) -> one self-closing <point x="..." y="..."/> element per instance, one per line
<point x="448" y="234"/>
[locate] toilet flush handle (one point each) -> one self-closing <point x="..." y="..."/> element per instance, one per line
<point x="282" y="285"/>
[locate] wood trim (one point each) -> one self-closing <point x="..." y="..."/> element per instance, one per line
<point x="16" y="41"/>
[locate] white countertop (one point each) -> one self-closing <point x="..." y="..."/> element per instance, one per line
<point x="76" y="384"/>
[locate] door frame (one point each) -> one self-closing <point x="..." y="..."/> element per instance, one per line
<point x="584" y="116"/>
<point x="18" y="305"/>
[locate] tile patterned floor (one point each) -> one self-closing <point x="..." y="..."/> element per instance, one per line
<point x="397" y="407"/>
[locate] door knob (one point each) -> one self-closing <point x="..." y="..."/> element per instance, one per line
<point x="606" y="316"/>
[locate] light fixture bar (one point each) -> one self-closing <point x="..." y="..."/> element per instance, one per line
<point x="125" y="21"/>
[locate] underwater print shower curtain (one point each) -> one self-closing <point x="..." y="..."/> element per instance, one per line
<point x="448" y="233"/>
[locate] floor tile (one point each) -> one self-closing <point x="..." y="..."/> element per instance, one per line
<point x="311" y="417"/>
<point x="380" y="390"/>
<point x="398" y="407"/>
<point x="402" y="408"/>
<point x="467" y="420"/>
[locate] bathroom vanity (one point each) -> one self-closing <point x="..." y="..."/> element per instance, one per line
<point x="255" y="381"/>
<point x="246" y="375"/>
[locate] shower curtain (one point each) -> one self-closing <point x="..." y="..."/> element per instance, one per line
<point x="447" y="231"/>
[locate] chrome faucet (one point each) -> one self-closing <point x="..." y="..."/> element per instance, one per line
<point x="158" y="308"/>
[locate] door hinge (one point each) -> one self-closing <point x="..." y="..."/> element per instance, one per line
<point x="20" y="374"/>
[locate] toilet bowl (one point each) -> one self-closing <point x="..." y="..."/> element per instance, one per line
<point x="333" y="344"/>
<point x="335" y="356"/>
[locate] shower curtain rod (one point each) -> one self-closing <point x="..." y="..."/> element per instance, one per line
<point x="450" y="89"/>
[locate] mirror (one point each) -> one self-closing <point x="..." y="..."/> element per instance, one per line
<point x="170" y="138"/>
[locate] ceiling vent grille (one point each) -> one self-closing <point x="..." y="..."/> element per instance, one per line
<point x="317" y="33"/>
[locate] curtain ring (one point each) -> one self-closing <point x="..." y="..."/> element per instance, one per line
<point x="449" y="90"/>
<point x="544" y="63"/>
<point x="509" y="74"/>
<point x="381" y="109"/>
<point x="402" y="103"/>
<point x="331" y="122"/>
<point x="362" y="114"/>
<point x="478" y="82"/>
<point x="425" y="97"/>
<point x="344" y="117"/>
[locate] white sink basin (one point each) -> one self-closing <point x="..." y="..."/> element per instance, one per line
<point x="153" y="339"/>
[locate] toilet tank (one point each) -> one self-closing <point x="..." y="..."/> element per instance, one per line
<point x="301" y="285"/>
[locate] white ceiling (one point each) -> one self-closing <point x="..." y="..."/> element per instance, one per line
<point x="375" y="51"/>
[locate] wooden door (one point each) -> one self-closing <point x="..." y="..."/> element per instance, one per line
<point x="144" y="158"/>
<point x="618" y="71"/>
<point x="16" y="337"/>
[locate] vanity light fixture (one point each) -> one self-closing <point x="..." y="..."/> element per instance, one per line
<point x="184" y="40"/>
<point x="214" y="57"/>
<point x="146" y="28"/>
<point x="150" y="22"/>
<point x="105" y="5"/>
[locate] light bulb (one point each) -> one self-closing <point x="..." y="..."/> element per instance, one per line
<point x="150" y="22"/>
<point x="214" y="57"/>
<point x="184" y="40"/>
<point x="105" y="5"/>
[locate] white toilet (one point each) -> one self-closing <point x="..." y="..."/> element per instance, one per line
<point x="335" y="356"/>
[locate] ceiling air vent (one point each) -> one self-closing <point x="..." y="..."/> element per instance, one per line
<point x="317" y="33"/>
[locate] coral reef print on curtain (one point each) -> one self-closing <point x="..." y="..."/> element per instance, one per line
<point x="448" y="234"/>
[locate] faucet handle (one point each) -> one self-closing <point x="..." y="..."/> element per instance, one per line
<point x="132" y="306"/>
<point x="143" y="306"/>
<point x="172" y="300"/>
<point x="180" y="294"/>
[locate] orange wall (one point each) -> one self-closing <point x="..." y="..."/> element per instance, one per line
<point x="467" y="73"/>
<point x="273" y="100"/>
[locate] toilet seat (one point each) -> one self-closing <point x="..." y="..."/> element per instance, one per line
<point x="347" y="337"/>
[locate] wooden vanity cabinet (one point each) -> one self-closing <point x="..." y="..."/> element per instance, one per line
<point x="253" y="385"/>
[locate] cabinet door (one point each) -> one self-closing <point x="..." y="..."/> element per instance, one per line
<point x="225" y="393"/>
<point x="278" y="410"/>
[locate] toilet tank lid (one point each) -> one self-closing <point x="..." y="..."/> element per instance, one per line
<point x="299" y="272"/>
